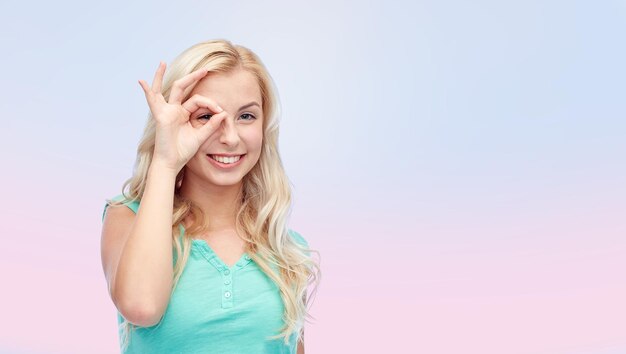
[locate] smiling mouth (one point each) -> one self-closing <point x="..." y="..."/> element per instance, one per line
<point x="226" y="160"/>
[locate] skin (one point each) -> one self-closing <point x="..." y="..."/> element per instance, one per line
<point x="241" y="132"/>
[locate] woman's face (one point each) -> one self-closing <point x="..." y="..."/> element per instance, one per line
<point x="240" y="133"/>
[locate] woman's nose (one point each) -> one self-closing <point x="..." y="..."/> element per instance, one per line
<point x="228" y="131"/>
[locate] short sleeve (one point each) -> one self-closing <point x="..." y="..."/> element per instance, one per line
<point x="133" y="205"/>
<point x="298" y="238"/>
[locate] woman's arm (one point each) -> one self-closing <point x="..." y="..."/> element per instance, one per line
<point x="137" y="251"/>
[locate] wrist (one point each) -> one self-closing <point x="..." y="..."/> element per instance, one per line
<point x="162" y="169"/>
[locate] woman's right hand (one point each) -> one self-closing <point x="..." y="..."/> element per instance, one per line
<point x="177" y="141"/>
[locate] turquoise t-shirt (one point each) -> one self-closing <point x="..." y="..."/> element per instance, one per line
<point x="216" y="308"/>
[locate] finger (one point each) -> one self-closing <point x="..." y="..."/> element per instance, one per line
<point x="176" y="95"/>
<point x="146" y="90"/>
<point x="198" y="101"/>
<point x="158" y="78"/>
<point x="209" y="127"/>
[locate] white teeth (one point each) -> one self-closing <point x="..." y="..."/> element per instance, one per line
<point x="225" y="159"/>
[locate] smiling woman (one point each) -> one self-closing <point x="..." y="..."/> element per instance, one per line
<point x="196" y="250"/>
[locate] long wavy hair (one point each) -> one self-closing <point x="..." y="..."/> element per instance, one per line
<point x="265" y="207"/>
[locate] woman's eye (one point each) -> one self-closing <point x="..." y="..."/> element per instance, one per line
<point x="208" y="116"/>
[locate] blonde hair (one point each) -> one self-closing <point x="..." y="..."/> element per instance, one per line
<point x="266" y="198"/>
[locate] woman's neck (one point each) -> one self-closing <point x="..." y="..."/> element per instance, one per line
<point x="218" y="203"/>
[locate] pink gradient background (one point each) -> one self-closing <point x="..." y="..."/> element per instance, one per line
<point x="459" y="166"/>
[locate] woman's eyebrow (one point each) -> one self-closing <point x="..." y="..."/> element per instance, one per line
<point x="249" y="105"/>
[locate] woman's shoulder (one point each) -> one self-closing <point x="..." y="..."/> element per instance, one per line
<point x="132" y="204"/>
<point x="298" y="237"/>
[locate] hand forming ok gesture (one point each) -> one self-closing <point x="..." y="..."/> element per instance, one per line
<point x="176" y="139"/>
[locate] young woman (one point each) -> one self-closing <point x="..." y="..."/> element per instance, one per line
<point x="197" y="254"/>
